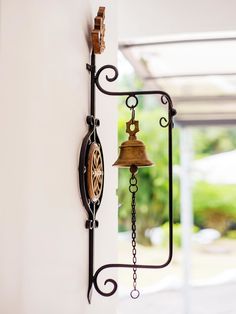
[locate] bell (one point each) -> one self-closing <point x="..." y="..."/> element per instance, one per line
<point x="132" y="151"/>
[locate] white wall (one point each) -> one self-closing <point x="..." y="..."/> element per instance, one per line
<point x="138" y="19"/>
<point x="44" y="100"/>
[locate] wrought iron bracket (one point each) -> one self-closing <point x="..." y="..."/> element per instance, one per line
<point x="92" y="204"/>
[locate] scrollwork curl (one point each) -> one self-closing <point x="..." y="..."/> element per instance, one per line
<point x="165" y="99"/>
<point x="112" y="281"/>
<point x="165" y="122"/>
<point x="108" y="78"/>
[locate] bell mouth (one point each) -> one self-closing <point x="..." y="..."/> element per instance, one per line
<point x="124" y="164"/>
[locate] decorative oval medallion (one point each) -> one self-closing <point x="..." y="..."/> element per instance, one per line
<point x="95" y="172"/>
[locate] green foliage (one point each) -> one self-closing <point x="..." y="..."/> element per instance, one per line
<point x="152" y="196"/>
<point x="214" y="205"/>
<point x="176" y="234"/>
<point x="212" y="140"/>
<point x="231" y="234"/>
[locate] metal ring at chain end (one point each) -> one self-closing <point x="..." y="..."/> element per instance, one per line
<point x="134" y="293"/>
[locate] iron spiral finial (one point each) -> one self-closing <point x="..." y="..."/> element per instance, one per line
<point x="109" y="280"/>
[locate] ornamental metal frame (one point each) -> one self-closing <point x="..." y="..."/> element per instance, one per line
<point x="91" y="137"/>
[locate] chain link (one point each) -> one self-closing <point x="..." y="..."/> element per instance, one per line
<point x="132" y="114"/>
<point x="133" y="188"/>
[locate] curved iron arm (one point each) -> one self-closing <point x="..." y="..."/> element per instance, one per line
<point x="114" y="283"/>
<point x="114" y="77"/>
<point x="165" y="98"/>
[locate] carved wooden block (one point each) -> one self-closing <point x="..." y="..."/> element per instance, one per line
<point x="98" y="33"/>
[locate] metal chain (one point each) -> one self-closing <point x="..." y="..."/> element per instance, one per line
<point x="133" y="188"/>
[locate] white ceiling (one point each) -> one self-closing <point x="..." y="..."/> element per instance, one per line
<point x="188" y="49"/>
<point x="150" y="18"/>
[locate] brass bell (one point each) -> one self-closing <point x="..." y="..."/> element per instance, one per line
<point x="132" y="151"/>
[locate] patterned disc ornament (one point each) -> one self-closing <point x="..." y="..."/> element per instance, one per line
<point x="91" y="169"/>
<point x="95" y="172"/>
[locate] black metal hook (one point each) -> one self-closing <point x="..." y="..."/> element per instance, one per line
<point x="165" y="122"/>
